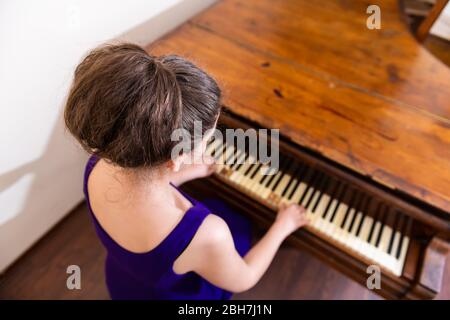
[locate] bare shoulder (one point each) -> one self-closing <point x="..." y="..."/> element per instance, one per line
<point x="212" y="237"/>
<point x="214" y="230"/>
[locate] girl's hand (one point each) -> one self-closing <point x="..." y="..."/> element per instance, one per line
<point x="205" y="169"/>
<point x="197" y="170"/>
<point x="290" y="218"/>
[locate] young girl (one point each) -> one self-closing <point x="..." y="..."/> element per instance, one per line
<point x="161" y="244"/>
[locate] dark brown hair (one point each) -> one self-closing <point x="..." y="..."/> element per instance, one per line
<point x="124" y="104"/>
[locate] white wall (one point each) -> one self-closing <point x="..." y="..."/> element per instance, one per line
<point x="441" y="27"/>
<point x="41" y="42"/>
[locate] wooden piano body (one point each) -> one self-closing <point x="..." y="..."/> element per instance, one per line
<point x="366" y="108"/>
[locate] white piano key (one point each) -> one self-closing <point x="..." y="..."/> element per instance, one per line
<point x="247" y="180"/>
<point x="240" y="159"/>
<point x="339" y="216"/>
<point x="385" y="238"/>
<point x="298" y="193"/>
<point x="222" y="159"/>
<point x="308" y="194"/>
<point x="375" y="232"/>
<point x="395" y="245"/>
<point x="254" y="181"/>
<point x="283" y="184"/>
<point x="331" y="208"/>
<point x="241" y="178"/>
<point x="288" y="192"/>
<point x="268" y="188"/>
<point x="328" y="226"/>
<point x="364" y="234"/>
<point x="257" y="185"/>
<point x="358" y="218"/>
<point x="211" y="147"/>
<point x="354" y="243"/>
<point x="313" y="201"/>
<point x="322" y="205"/>
<point x="349" y="237"/>
<point x="398" y="265"/>
<point x="336" y="223"/>
<point x="345" y="238"/>
<point x="370" y="246"/>
<point x="235" y="159"/>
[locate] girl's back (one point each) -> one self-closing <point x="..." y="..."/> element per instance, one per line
<point x="146" y="270"/>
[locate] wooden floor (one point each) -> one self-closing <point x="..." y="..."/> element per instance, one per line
<point x="41" y="272"/>
<point x="439" y="48"/>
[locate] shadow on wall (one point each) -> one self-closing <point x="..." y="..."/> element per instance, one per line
<point x="27" y="190"/>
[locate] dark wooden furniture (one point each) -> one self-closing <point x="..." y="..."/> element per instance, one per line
<point x="425" y="26"/>
<point x="369" y="107"/>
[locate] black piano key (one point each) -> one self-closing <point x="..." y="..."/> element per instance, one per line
<point x="374" y="222"/>
<point x="303" y="174"/>
<point x="366" y="206"/>
<point x="316" y="186"/>
<point x="293" y="176"/>
<point x="224" y="153"/>
<point x="357" y="210"/>
<point x="236" y="161"/>
<point x="216" y="148"/>
<point x="231" y="156"/>
<point x="309" y="184"/>
<point x="235" y="153"/>
<point x="219" y="151"/>
<point x="209" y="143"/>
<point x="333" y="195"/>
<point x="323" y="187"/>
<point x="281" y="167"/>
<point x="269" y="178"/>
<point x="287" y="166"/>
<point x="383" y="217"/>
<point x="250" y="168"/>
<point x="349" y="208"/>
<point x="247" y="154"/>
<point x="405" y="233"/>
<point x="339" y="200"/>
<point x="256" y="170"/>
<point x="264" y="177"/>
<point x="395" y="227"/>
<point x="213" y="153"/>
<point x="400" y="224"/>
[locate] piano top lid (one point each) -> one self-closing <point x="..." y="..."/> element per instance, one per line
<point x="372" y="100"/>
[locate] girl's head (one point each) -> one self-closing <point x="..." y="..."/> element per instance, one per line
<point x="124" y="104"/>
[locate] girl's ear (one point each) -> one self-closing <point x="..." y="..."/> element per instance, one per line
<point x="175" y="164"/>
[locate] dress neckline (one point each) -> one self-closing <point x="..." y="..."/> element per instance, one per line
<point x="164" y="243"/>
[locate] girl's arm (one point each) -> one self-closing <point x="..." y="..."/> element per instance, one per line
<point x="212" y="254"/>
<point x="193" y="171"/>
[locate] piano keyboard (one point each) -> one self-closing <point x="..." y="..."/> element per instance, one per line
<point x="337" y="211"/>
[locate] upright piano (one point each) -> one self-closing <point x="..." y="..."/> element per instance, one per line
<point x="364" y="119"/>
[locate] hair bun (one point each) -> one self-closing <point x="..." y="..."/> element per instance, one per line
<point x="124" y="104"/>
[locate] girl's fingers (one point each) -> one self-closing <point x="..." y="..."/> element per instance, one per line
<point x="212" y="168"/>
<point x="208" y="160"/>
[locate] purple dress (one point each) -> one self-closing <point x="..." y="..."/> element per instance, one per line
<point x="150" y="275"/>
